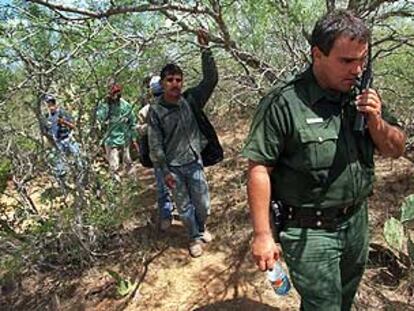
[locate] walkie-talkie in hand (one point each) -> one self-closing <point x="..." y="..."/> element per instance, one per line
<point x="364" y="83"/>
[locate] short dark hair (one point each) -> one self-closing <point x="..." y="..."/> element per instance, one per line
<point x="170" y="69"/>
<point x="336" y="23"/>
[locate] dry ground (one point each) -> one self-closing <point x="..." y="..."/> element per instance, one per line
<point x="224" y="278"/>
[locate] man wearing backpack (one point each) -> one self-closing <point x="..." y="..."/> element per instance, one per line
<point x="164" y="200"/>
<point x="176" y="143"/>
<point x="119" y="118"/>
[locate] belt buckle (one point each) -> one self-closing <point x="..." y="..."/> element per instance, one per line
<point x="346" y="209"/>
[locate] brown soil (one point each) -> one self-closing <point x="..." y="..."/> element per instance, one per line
<point x="225" y="277"/>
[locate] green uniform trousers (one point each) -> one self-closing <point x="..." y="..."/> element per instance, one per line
<point x="327" y="266"/>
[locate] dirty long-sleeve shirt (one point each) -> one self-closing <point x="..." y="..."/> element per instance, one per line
<point x="142" y="124"/>
<point x="121" y="123"/>
<point x="174" y="136"/>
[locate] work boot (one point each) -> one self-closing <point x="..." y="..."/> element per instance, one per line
<point x="206" y="237"/>
<point x="196" y="248"/>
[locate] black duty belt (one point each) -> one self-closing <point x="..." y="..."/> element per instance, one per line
<point x="319" y="218"/>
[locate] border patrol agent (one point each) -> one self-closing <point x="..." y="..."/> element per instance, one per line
<point x="304" y="152"/>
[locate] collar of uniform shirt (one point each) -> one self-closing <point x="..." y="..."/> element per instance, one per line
<point x="314" y="93"/>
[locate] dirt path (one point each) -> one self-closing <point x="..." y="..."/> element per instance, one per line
<point x="224" y="278"/>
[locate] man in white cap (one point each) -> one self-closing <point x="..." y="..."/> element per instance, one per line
<point x="164" y="200"/>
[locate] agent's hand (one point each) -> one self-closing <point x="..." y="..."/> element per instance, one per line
<point x="202" y="37"/>
<point x="369" y="103"/>
<point x="265" y="251"/>
<point x="170" y="181"/>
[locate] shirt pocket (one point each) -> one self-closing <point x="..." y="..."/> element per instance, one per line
<point x="319" y="145"/>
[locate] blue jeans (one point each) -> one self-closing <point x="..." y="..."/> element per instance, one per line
<point x="191" y="197"/>
<point x="164" y="201"/>
<point x="66" y="147"/>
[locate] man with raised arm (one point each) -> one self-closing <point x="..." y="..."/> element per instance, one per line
<point x="176" y="142"/>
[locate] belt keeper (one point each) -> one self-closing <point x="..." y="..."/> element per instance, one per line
<point x="290" y="213"/>
<point x="318" y="222"/>
<point x="346" y="210"/>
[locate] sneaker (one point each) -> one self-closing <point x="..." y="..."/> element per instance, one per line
<point x="165" y="224"/>
<point x="195" y="248"/>
<point x="206" y="237"/>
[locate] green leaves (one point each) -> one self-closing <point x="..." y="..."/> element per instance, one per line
<point x="5" y="169"/>
<point x="123" y="286"/>
<point x="394" y="233"/>
<point x="394" y="228"/>
<point x="410" y="249"/>
<point x="407" y="212"/>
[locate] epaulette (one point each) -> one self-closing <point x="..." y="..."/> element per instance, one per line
<point x="277" y="90"/>
<point x="286" y="84"/>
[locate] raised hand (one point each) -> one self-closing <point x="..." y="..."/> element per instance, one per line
<point x="202" y="37"/>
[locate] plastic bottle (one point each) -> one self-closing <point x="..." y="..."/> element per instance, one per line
<point x="279" y="279"/>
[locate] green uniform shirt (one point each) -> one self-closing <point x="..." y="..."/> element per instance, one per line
<point x="307" y="134"/>
<point x="121" y="123"/>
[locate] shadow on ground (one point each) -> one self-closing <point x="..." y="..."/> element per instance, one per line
<point x="239" y="304"/>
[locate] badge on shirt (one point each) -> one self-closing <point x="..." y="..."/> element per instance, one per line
<point x="314" y="120"/>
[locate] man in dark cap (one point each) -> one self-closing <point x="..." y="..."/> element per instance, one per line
<point x="59" y="128"/>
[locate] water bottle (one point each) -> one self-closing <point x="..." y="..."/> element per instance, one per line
<point x="279" y="279"/>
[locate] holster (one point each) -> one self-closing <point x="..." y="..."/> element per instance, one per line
<point x="277" y="218"/>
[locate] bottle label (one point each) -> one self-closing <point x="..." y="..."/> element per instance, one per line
<point x="279" y="280"/>
<point x="277" y="283"/>
<point x="281" y="286"/>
